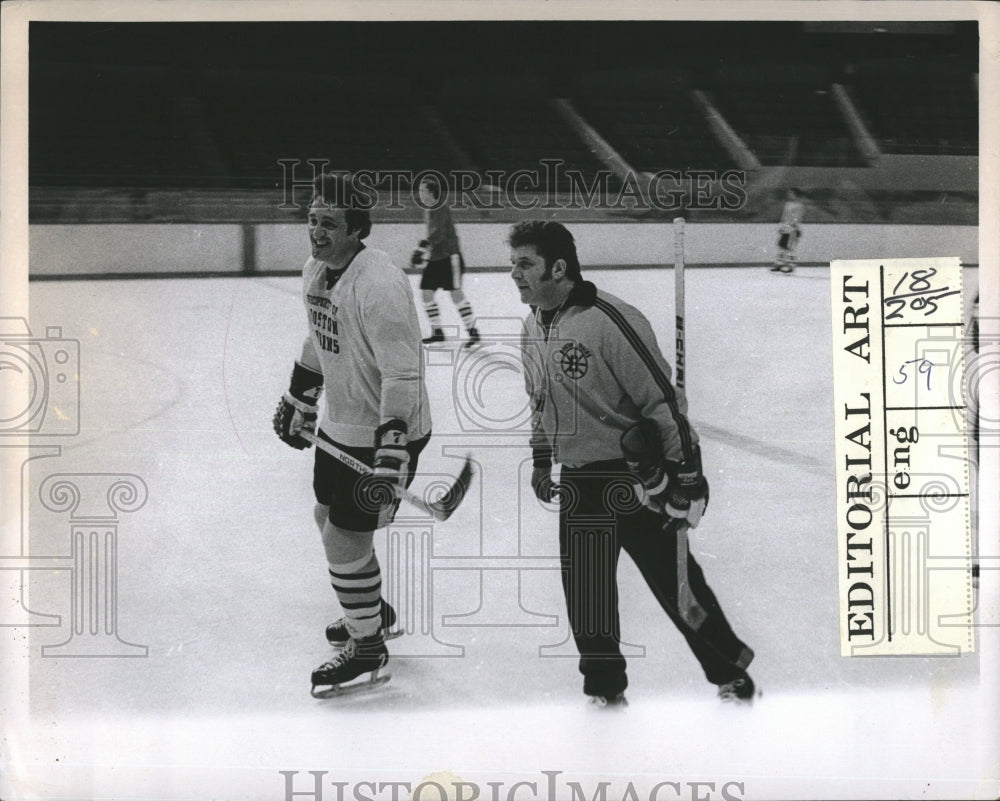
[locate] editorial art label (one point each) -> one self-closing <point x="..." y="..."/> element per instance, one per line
<point x="904" y="536"/>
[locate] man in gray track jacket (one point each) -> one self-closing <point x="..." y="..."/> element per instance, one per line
<point x="604" y="408"/>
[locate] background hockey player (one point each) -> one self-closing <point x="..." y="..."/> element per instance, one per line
<point x="440" y="256"/>
<point x="789" y="232"/>
<point x="600" y="388"/>
<point x="362" y="352"/>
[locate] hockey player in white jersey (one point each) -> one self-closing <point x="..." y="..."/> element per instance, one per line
<point x="362" y="354"/>
<point x="789" y="232"/>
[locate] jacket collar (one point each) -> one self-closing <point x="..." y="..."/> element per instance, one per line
<point x="583" y="293"/>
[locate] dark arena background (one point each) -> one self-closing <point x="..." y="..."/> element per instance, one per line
<point x="187" y="122"/>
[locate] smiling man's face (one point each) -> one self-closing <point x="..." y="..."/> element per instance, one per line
<point x="328" y="232"/>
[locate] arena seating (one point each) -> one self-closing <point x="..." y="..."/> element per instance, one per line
<point x="156" y="126"/>
<point x="785" y="115"/>
<point x="254" y="128"/>
<point x="513" y="128"/>
<point x="114" y="130"/>
<point x="653" y="127"/>
<point x="918" y="107"/>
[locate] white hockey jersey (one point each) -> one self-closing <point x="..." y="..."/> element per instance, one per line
<point x="791" y="216"/>
<point x="365" y="339"/>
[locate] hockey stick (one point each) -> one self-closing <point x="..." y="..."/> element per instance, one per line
<point x="439" y="510"/>
<point x="687" y="606"/>
<point x="679" y="302"/>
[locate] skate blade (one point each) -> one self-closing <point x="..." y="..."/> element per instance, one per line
<point x="741" y="702"/>
<point x="340" y="690"/>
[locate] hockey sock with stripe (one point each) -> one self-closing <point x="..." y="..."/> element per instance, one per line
<point x="468" y="318"/>
<point x="358" y="586"/>
<point x="433" y="314"/>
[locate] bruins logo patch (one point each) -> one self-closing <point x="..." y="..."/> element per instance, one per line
<point x="574" y="359"/>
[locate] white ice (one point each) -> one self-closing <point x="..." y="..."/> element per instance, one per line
<point x="221" y="573"/>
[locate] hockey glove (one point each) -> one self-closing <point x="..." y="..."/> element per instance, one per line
<point x="419" y="257"/>
<point x="687" y="489"/>
<point x="298" y="408"/>
<point x="545" y="489"/>
<point x="676" y="489"/>
<point x="391" y="456"/>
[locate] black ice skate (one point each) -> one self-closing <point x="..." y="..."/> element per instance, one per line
<point x="607" y="701"/>
<point x="337" y="635"/>
<point x="437" y="335"/>
<point x="368" y="655"/>
<point x="738" y="691"/>
<point x="473" y="340"/>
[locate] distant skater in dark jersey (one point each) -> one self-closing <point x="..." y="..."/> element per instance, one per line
<point x="443" y="264"/>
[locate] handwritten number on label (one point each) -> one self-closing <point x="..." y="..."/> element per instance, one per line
<point x="922" y="296"/>
<point x="921" y="280"/>
<point x="923" y="366"/>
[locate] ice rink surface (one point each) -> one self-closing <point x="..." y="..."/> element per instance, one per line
<point x="221" y="573"/>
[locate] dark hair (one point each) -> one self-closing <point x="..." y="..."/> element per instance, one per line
<point x="552" y="241"/>
<point x="432" y="186"/>
<point x="338" y="191"/>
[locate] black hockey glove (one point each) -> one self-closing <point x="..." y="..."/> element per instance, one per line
<point x="298" y="408"/>
<point x="676" y="489"/>
<point x="545" y="489"/>
<point x="687" y="489"/>
<point x="419" y="257"/>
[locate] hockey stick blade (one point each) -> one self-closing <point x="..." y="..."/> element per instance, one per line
<point x="441" y="509"/>
<point x="688" y="608"/>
